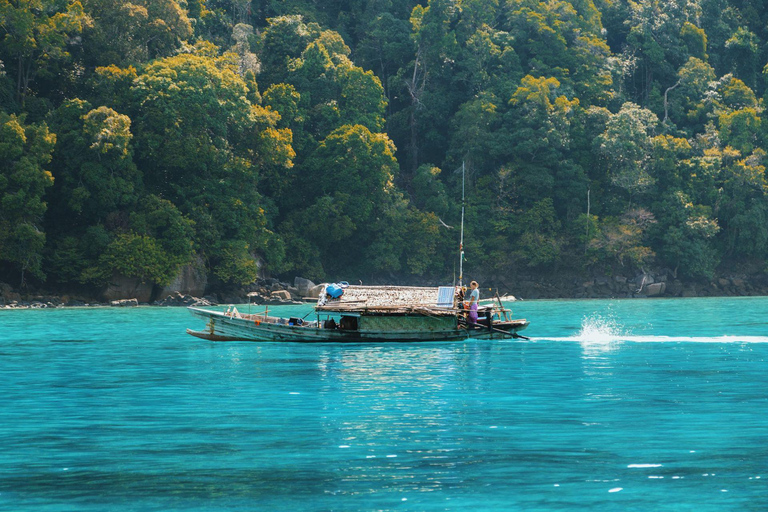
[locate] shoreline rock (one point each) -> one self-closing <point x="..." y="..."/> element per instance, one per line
<point x="124" y="303"/>
<point x="178" y="299"/>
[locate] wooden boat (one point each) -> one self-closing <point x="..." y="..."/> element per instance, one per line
<point x="366" y="314"/>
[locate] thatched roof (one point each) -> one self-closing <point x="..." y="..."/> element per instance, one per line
<point x="401" y="299"/>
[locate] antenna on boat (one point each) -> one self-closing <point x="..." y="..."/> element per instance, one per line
<point x="461" y="242"/>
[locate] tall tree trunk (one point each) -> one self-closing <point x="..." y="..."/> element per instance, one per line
<point x="666" y="101"/>
<point x="415" y="89"/>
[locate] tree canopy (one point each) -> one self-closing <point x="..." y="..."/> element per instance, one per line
<point x="325" y="138"/>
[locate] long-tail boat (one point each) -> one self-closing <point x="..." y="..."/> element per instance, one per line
<point x="363" y="314"/>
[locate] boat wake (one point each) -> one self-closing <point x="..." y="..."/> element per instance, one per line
<point x="658" y="339"/>
<point x="601" y="332"/>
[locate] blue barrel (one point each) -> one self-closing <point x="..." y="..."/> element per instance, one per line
<point x="334" y="290"/>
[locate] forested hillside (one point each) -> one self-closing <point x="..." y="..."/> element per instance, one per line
<point x="326" y="139"/>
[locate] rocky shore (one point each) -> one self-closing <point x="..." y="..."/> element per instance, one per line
<point x="267" y="292"/>
<point x="272" y="291"/>
<point x="641" y="286"/>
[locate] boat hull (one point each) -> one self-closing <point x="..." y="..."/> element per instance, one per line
<point x="224" y="327"/>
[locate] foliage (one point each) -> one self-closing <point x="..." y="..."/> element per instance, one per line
<point x="684" y="243"/>
<point x="93" y="161"/>
<point x="236" y="265"/>
<point x="351" y="175"/>
<point x="326" y="138"/>
<point x="25" y="152"/>
<point x="123" y="33"/>
<point x="623" y="237"/>
<point x="141" y="256"/>
<point x="625" y="145"/>
<point x="36" y="39"/>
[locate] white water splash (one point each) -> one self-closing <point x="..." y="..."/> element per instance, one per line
<point x="598" y="335"/>
<point x="598" y="330"/>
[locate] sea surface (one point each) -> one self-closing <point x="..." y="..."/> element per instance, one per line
<point x="646" y="405"/>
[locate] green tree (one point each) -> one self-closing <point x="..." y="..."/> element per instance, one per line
<point x="134" y="32"/>
<point x="284" y="39"/>
<point x="538" y="139"/>
<point x="538" y="243"/>
<point x="743" y="50"/>
<point x="203" y="145"/>
<point x="333" y="90"/>
<point x="94" y="164"/>
<point x="695" y="40"/>
<point x="623" y="238"/>
<point x="35" y="38"/>
<point x="154" y="244"/>
<point x="475" y="129"/>
<point x="741" y="129"/>
<point x="385" y="45"/>
<point x="625" y="145"/>
<point x="140" y="256"/>
<point x="742" y="183"/>
<point x="669" y="162"/>
<point x="237" y="263"/>
<point x="428" y="191"/>
<point x="690" y="105"/>
<point x="25" y="152"/>
<point x="563" y="40"/>
<point x="736" y="94"/>
<point x="687" y="238"/>
<point x="656" y="45"/>
<point x="351" y="176"/>
<point x="111" y="86"/>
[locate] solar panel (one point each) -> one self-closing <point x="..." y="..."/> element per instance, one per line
<point x="445" y="297"/>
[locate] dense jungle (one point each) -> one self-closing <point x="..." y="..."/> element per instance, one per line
<point x="327" y="139"/>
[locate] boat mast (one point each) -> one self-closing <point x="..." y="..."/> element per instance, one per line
<point x="461" y="242"/>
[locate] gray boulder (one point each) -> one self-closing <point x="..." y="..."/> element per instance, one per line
<point x="122" y="287"/>
<point x="315" y="291"/>
<point x="644" y="279"/>
<point x="281" y="294"/>
<point x="303" y="286"/>
<point x="191" y="280"/>
<point x="655" y="289"/>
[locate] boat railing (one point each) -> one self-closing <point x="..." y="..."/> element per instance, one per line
<point x="264" y="318"/>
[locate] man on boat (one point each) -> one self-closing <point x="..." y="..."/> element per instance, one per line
<point x="474" y="298"/>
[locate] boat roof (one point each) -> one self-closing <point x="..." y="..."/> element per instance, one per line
<point x="391" y="299"/>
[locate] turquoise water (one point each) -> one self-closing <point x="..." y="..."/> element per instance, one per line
<point x="613" y="405"/>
